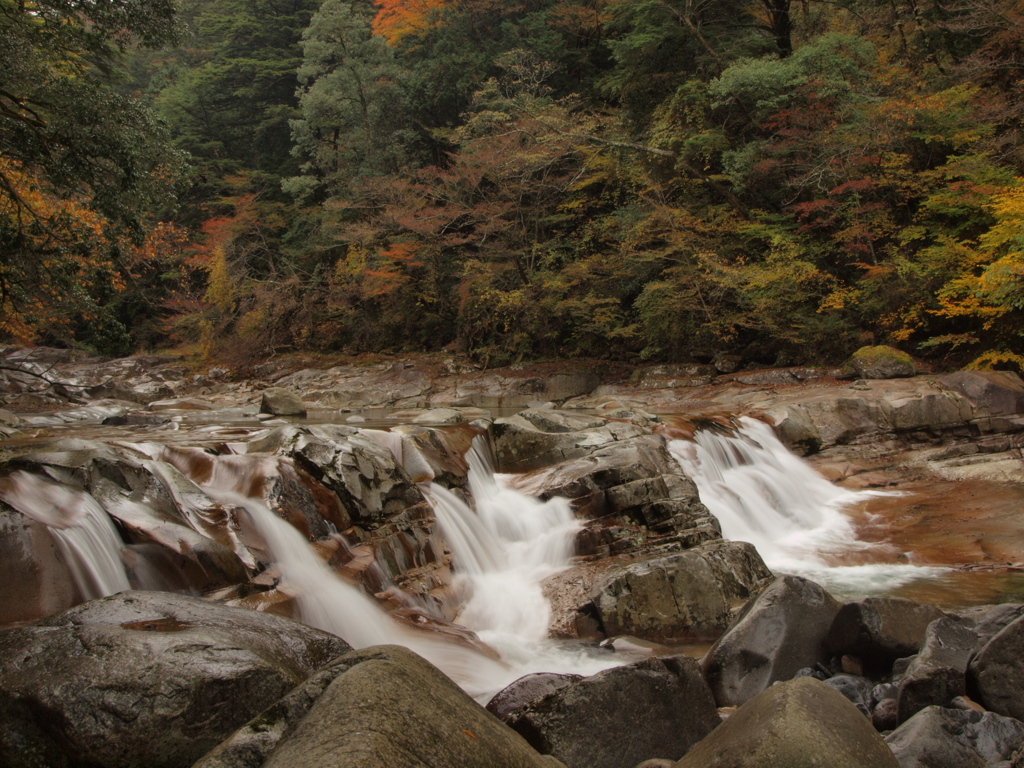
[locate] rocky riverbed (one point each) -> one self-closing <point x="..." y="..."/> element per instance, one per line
<point x="175" y="463"/>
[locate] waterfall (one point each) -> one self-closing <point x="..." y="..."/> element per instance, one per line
<point x="503" y="551"/>
<point x="82" y="530"/>
<point x="763" y="494"/>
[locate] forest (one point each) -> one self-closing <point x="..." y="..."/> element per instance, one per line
<point x="640" y="180"/>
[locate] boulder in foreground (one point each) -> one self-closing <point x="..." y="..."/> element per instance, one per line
<point x="802" y="723"/>
<point x="778" y="633"/>
<point x="937" y="737"/>
<point x="620" y="717"/>
<point x="145" y="679"/>
<point x="380" y="707"/>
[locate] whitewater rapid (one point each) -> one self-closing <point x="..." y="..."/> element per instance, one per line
<point x="763" y="494"/>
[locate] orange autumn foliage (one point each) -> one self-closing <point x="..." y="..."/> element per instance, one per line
<point x="399" y="19"/>
<point x="58" y="250"/>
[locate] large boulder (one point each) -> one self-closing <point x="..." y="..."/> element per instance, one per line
<point x="527" y="689"/>
<point x="797" y="724"/>
<point x="381" y="707"/>
<point x="882" y="362"/>
<point x="684" y="595"/>
<point x="778" y="633"/>
<point x="997" y="673"/>
<point x="955" y="738"/>
<point x="364" y="475"/>
<point x="659" y="707"/>
<point x="632" y="495"/>
<point x="880" y="630"/>
<point x="145" y="678"/>
<point x="938" y="674"/>
<point x="279" y="401"/>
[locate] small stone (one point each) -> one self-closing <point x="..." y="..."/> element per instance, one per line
<point x="852" y="665"/>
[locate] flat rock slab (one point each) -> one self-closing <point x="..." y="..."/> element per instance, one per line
<point x="797" y="724"/>
<point x="145" y="679"/>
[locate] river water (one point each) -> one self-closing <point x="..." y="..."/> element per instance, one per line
<point x="912" y="542"/>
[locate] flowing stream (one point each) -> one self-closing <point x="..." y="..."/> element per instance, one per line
<point x="81" y="529"/>
<point x="502" y="550"/>
<point x="763" y="494"/>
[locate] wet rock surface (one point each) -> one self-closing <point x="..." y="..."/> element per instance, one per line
<point x="145" y="679"/>
<point x="798" y="724"/>
<point x="681" y="596"/>
<point x="777" y="634"/>
<point x="997" y="673"/>
<point x="652" y="563"/>
<point x="937" y="674"/>
<point x="381" y="707"/>
<point x="653" y="708"/>
<point x="880" y="628"/>
<point x="937" y="737"/>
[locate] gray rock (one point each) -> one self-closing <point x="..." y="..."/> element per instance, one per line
<point x="537" y="438"/>
<point x="856" y="689"/>
<point x="994" y="393"/>
<point x="634" y="492"/>
<point x="882" y="362"/>
<point x="685" y="595"/>
<point x="937" y="675"/>
<point x="884" y="716"/>
<point x="526" y="690"/>
<point x="954" y="738"/>
<point x="880" y="629"/>
<point x="279" y="401"/>
<point x="145" y="678"/>
<point x="777" y="633"/>
<point x="381" y="707"/>
<point x="364" y="475"/>
<point x="440" y="416"/>
<point x="998" y="674"/>
<point x="796" y="724"/>
<point x="653" y="708"/>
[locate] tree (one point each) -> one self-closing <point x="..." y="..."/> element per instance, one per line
<point x="79" y="158"/>
<point x="352" y="99"/>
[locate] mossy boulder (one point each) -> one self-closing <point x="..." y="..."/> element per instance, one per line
<point x="881" y="362"/>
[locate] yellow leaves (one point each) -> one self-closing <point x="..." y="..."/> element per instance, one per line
<point x="221" y="288"/>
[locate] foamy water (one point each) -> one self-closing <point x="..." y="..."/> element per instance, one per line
<point x="763" y="494"/>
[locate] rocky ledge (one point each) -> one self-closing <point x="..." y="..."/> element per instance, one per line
<point x="157" y="676"/>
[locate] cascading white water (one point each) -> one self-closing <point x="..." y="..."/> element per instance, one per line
<point x="82" y="530"/>
<point x="503" y="551"/>
<point x="329" y="603"/>
<point x="763" y="494"/>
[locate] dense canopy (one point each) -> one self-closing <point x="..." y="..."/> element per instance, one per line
<point x="636" y="179"/>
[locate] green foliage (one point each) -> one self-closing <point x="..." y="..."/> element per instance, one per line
<point x="82" y="166"/>
<point x="628" y="178"/>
